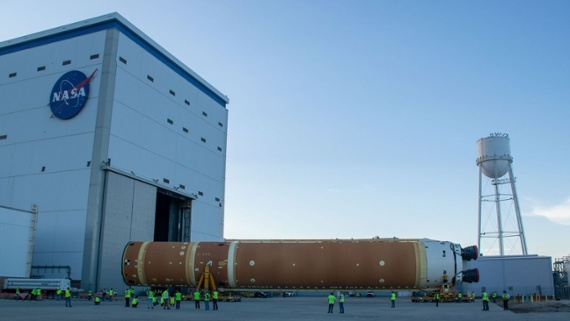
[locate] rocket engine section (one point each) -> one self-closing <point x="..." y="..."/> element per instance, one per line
<point x="300" y="264"/>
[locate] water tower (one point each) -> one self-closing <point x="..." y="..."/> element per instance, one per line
<point x="498" y="195"/>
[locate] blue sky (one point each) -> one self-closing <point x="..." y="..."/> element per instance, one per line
<point x="355" y="119"/>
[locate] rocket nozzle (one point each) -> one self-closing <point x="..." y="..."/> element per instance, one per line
<point x="470" y="276"/>
<point x="470" y="253"/>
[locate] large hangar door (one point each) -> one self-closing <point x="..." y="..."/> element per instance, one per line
<point x="128" y="215"/>
<point x="172" y="219"/>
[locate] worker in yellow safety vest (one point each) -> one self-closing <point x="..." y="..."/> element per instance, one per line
<point x="197" y="299"/>
<point x="151" y="299"/>
<point x="506" y="298"/>
<point x="331" y="302"/>
<point x="127" y="297"/>
<point x="67" y="298"/>
<point x="393" y="299"/>
<point x="436" y="299"/>
<point x="207" y="300"/>
<point x="215" y="300"/>
<point x="178" y="296"/>
<point x="135" y="302"/>
<point x="485" y="299"/>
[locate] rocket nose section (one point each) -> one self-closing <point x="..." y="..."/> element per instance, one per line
<point x="471" y="276"/>
<point x="470" y="253"/>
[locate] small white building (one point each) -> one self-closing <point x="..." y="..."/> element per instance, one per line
<point x="516" y="274"/>
<point x="114" y="139"/>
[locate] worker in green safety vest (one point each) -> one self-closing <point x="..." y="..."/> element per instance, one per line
<point x="207" y="300"/>
<point x="197" y="299"/>
<point x="178" y="296"/>
<point x="485" y="299"/>
<point x="135" y="302"/>
<point x="393" y="299"/>
<point x="215" y="300"/>
<point x="127" y="297"/>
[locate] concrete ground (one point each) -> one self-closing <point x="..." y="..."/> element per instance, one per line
<point x="251" y="309"/>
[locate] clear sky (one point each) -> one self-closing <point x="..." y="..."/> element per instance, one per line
<point x="356" y="119"/>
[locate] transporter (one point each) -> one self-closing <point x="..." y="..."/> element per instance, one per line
<point x="368" y="264"/>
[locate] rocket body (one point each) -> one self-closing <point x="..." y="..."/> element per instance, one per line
<point x="375" y="264"/>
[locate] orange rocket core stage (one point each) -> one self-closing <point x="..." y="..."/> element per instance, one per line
<point x="287" y="264"/>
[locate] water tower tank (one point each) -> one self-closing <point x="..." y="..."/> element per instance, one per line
<point x="494" y="155"/>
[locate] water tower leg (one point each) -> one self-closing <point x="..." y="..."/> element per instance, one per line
<point x="518" y="212"/>
<point x="499" y="220"/>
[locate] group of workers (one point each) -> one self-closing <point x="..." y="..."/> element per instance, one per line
<point x="163" y="297"/>
<point x="332" y="299"/>
<point x="485" y="299"/>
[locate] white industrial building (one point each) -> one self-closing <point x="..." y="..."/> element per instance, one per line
<point x="114" y="139"/>
<point x="522" y="275"/>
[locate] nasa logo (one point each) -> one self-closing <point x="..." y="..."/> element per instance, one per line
<point x="69" y="94"/>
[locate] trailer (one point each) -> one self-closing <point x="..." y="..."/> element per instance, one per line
<point x="47" y="285"/>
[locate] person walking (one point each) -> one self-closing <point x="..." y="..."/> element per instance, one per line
<point x="67" y="298"/>
<point x="393" y="299"/>
<point x="506" y="298"/>
<point x="331" y="302"/>
<point x="485" y="299"/>
<point x="436" y="299"/>
<point x="341" y="303"/>
<point x="215" y="300"/>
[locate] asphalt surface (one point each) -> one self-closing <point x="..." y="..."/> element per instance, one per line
<point x="251" y="309"/>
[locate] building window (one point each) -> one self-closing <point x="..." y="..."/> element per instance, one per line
<point x="3" y="136"/>
<point x="41" y="68"/>
<point x="220" y="124"/>
<point x="66" y="62"/>
<point x="12" y="75"/>
<point x="200" y="193"/>
<point x="95" y="56"/>
<point x="205" y="113"/>
<point x="184" y="129"/>
<point x="203" y="139"/>
<point x="182" y="186"/>
<point x="149" y="78"/>
<point x="172" y="92"/>
<point x="186" y="102"/>
<point x="217" y="199"/>
<point x="123" y="60"/>
<point x="166" y="180"/>
<point x="170" y="121"/>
